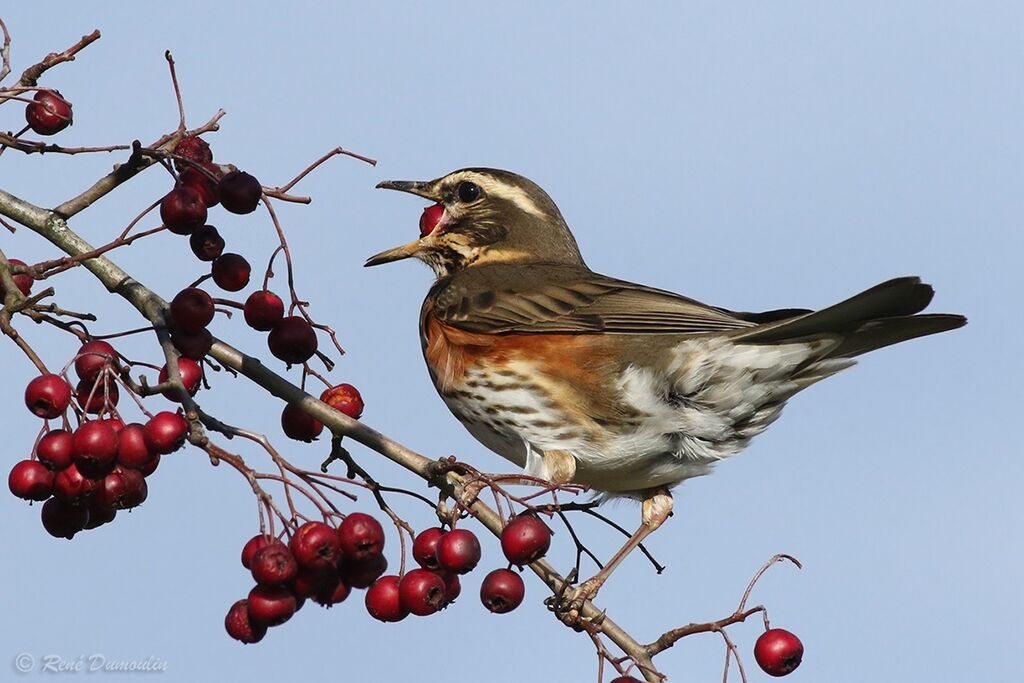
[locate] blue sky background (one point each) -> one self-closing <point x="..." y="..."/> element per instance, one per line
<point x="755" y="155"/>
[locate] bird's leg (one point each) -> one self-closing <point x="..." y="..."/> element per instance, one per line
<point x="656" y="508"/>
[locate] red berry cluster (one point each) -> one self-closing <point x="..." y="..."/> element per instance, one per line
<point x="87" y="474"/>
<point x="319" y="562"/>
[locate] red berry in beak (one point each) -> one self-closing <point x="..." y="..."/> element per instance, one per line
<point x="430" y="219"/>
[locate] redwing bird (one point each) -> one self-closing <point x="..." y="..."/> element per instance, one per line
<point x="580" y="377"/>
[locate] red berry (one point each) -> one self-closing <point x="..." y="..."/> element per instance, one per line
<point x="362" y="573"/>
<point x="205" y="186"/>
<point x="263" y="310"/>
<point x="193" y="148"/>
<point x="62" y="520"/>
<point x="95" y="448"/>
<point x="525" y="539"/>
<point x="191" y="377"/>
<point x="274" y="565"/>
<point x="132" y="450"/>
<point x="47" y="396"/>
<point x="502" y="591"/>
<point x="99" y="514"/>
<point x="383" y="602"/>
<point x="22" y="281"/>
<point x="192" y="345"/>
<point x="71" y="487"/>
<point x="231" y="271"/>
<point x="92" y="358"/>
<point x="182" y="210"/>
<point x="206" y="243"/>
<point x="56" y="449"/>
<point x="240" y="192"/>
<point x="361" y="536"/>
<point x="424" y="547"/>
<point x="292" y="340"/>
<point x="626" y="679"/>
<point x="298" y="425"/>
<point x="778" y="652"/>
<point x="316" y="547"/>
<point x="254" y="545"/>
<point x="29" y="479"/>
<point x="458" y="551"/>
<point x="430" y="218"/>
<point x="97" y="396"/>
<point x="421" y="592"/>
<point x="271" y="605"/>
<point x="121" y="489"/>
<point x="166" y="432"/>
<point x="115" y="423"/>
<point x="240" y="627"/>
<point x="49" y="113"/>
<point x="333" y="592"/>
<point x="306" y="584"/>
<point x="345" y="399"/>
<point x="191" y="309"/>
<point x="452" y="587"/>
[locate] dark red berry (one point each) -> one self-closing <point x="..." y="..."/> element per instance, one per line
<point x="166" y="432"/>
<point x="430" y="218"/>
<point x="778" y="652"/>
<point x="231" y="271"/>
<point x="115" y="423"/>
<point x="383" y="602"/>
<point x="31" y="480"/>
<point x="56" y="449"/>
<point x="49" y="113"/>
<point x="193" y="148"/>
<point x="306" y="584"/>
<point x="47" y="396"/>
<point x="99" y="514"/>
<point x="240" y="192"/>
<point x="502" y="591"/>
<point x="344" y="398"/>
<point x="22" y="281"/>
<point x="424" y="547"/>
<point x="271" y="605"/>
<point x="71" y="487"/>
<point x="203" y="184"/>
<point x="240" y="627"/>
<point x="626" y="679"/>
<point x="92" y="358"/>
<point x="121" y="489"/>
<point x="191" y="309"/>
<point x="452" y="587"/>
<point x="361" y="536"/>
<point x="191" y="377"/>
<point x="254" y="544"/>
<point x="132" y="450"/>
<point x="298" y="425"/>
<point x="421" y="592"/>
<point x="362" y="573"/>
<point x="97" y="396"/>
<point x="458" y="551"/>
<point x="95" y="448"/>
<point x="316" y="547"/>
<point x="206" y="243"/>
<point x="62" y="520"/>
<point x="273" y="565"/>
<point x="292" y="340"/>
<point x="334" y="592"/>
<point x="192" y="345"/>
<point x="525" y="539"/>
<point x="263" y="310"/>
<point x="182" y="210"/>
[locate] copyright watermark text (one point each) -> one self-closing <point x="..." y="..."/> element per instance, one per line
<point x="27" y="663"/>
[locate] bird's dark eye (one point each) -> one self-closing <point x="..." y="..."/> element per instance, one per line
<point x="468" y="192"/>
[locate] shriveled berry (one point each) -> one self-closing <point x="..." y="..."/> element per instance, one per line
<point x="383" y="602"/>
<point x="182" y="210"/>
<point x="263" y="310"/>
<point x="292" y="340"/>
<point x="502" y="591"/>
<point x="240" y="627"/>
<point x="56" y="449"/>
<point x="62" y="520"/>
<point x="193" y="148"/>
<point x="240" y="192"/>
<point x="206" y="243"/>
<point x="361" y="536"/>
<point x="166" y="432"/>
<point x="458" y="551"/>
<point x="299" y="425"/>
<point x="47" y="396"/>
<point x="191" y="377"/>
<point x="192" y="309"/>
<point x="778" y="652"/>
<point x="525" y="539"/>
<point x="30" y="480"/>
<point x="344" y="398"/>
<point x="49" y="113"/>
<point x="231" y="271"/>
<point x="424" y="547"/>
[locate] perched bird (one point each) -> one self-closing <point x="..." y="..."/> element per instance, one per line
<point x="584" y="378"/>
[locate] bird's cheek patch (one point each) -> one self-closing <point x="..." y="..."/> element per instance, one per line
<point x="431" y="219"/>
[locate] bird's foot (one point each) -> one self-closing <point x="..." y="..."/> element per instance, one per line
<point x="568" y="605"/>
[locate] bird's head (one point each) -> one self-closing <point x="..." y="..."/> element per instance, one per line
<point x="483" y="216"/>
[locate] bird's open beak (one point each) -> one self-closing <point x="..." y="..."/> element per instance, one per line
<point x="420" y="188"/>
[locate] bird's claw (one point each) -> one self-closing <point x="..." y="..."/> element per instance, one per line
<point x="567" y="605"/>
